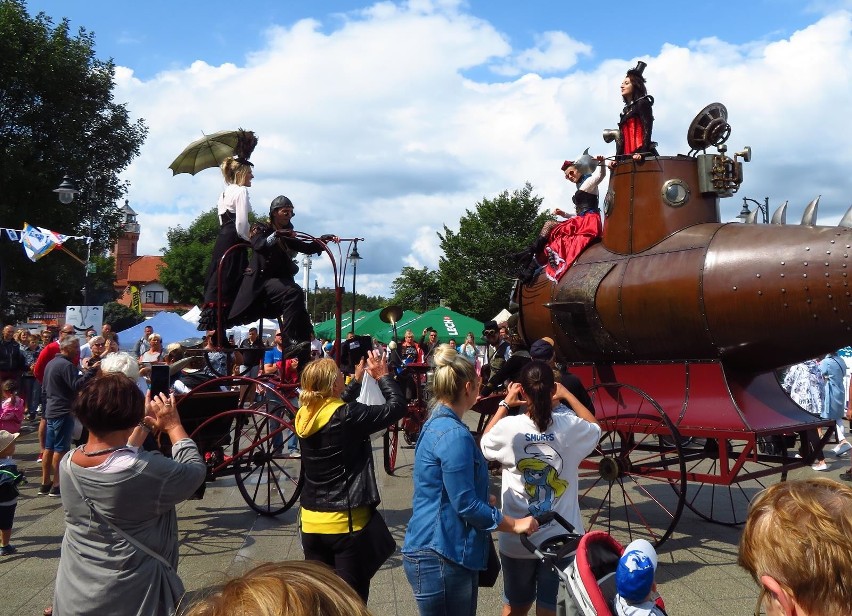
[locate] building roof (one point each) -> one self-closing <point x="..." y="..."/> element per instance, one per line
<point x="145" y="269"/>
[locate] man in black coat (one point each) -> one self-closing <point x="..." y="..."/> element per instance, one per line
<point x="269" y="288"/>
<point x="12" y="360"/>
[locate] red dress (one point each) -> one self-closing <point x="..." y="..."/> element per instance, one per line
<point x="566" y="241"/>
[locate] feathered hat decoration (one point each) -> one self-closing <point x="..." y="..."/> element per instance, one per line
<point x="246" y="142"/>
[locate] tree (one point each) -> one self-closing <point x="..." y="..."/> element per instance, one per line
<point x="120" y="316"/>
<point x="477" y="268"/>
<point x="322" y="303"/>
<point x="57" y="116"/>
<point x="417" y="289"/>
<point x="101" y="280"/>
<point x="187" y="257"/>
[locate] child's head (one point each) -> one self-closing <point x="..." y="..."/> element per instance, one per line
<point x="7" y="443"/>
<point x="10" y="388"/>
<point x="634" y="577"/>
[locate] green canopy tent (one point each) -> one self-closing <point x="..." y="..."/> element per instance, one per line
<point x="447" y="323"/>
<point x="366" y="324"/>
<point x="326" y="329"/>
<point x="383" y="332"/>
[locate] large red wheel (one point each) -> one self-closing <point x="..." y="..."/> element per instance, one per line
<point x="391" y="447"/>
<point x="632" y="486"/>
<point x="725" y="496"/>
<point x="254" y="444"/>
<point x="267" y="463"/>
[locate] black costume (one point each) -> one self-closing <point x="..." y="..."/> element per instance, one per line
<point x="636" y="124"/>
<point x="268" y="288"/>
<point x="232" y="270"/>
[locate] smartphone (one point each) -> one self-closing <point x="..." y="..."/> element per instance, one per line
<point x="159" y="379"/>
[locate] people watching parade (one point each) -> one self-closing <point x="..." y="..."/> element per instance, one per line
<point x="340" y="523"/>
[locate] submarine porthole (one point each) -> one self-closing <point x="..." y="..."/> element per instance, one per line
<point x="675" y="193"/>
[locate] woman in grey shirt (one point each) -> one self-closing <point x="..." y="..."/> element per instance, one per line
<point x="121" y="541"/>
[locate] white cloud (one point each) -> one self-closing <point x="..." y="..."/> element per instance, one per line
<point x="553" y="52"/>
<point x="372" y="129"/>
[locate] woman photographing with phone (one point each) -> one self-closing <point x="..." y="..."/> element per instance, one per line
<point x="120" y="540"/>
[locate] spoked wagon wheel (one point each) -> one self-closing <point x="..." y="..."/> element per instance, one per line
<point x="266" y="462"/>
<point x="633" y="485"/>
<point x="732" y="478"/>
<point x="391" y="445"/>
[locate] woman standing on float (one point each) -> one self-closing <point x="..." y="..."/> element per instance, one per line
<point x="233" y="208"/>
<point x="637" y="120"/>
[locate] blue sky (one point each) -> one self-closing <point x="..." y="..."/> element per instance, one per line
<point x="389" y="120"/>
<point x="163" y="34"/>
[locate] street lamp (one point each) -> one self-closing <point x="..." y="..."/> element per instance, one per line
<point x="354" y="257"/>
<point x="762" y="209"/>
<point x="66" y="191"/>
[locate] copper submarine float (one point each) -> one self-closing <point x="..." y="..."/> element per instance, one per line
<point x="671" y="291"/>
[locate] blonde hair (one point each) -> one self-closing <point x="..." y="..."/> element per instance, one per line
<point x="317" y="382"/>
<point x="234" y="171"/>
<point x="800" y="534"/>
<point x="452" y="372"/>
<point x="289" y="588"/>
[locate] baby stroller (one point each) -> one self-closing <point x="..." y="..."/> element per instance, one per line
<point x="587" y="585"/>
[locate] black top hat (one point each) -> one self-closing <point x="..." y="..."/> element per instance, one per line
<point x="638" y="70"/>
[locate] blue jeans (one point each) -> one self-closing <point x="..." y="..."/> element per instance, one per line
<point x="441" y="587"/>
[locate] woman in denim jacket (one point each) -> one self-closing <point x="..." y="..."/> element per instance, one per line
<point x="446" y="544"/>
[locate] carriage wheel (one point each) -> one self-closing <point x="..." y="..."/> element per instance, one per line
<point x="266" y="464"/>
<point x="413" y="421"/>
<point x="633" y="485"/>
<point x="391" y="445"/>
<point x="727" y="503"/>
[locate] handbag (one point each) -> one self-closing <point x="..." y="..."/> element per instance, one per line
<point x="375" y="543"/>
<point x="488" y="576"/>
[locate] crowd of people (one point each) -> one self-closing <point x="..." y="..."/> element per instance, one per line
<point x="543" y="428"/>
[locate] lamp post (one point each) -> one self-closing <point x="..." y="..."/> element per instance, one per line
<point x="762" y="209"/>
<point x="316" y="291"/>
<point x="66" y="191"/>
<point x="307" y="262"/>
<point x="354" y="257"/>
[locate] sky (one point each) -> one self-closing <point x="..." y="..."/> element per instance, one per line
<point x="388" y="120"/>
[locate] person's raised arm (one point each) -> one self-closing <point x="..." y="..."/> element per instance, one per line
<point x="582" y="412"/>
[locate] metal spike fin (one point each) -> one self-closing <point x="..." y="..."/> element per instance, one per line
<point x="779" y="217"/>
<point x="846" y="221"/>
<point x="810" y="215"/>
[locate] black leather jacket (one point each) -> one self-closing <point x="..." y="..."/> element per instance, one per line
<point x="338" y="458"/>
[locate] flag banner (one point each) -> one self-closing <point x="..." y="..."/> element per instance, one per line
<point x="38" y="242"/>
<point x="135" y="300"/>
